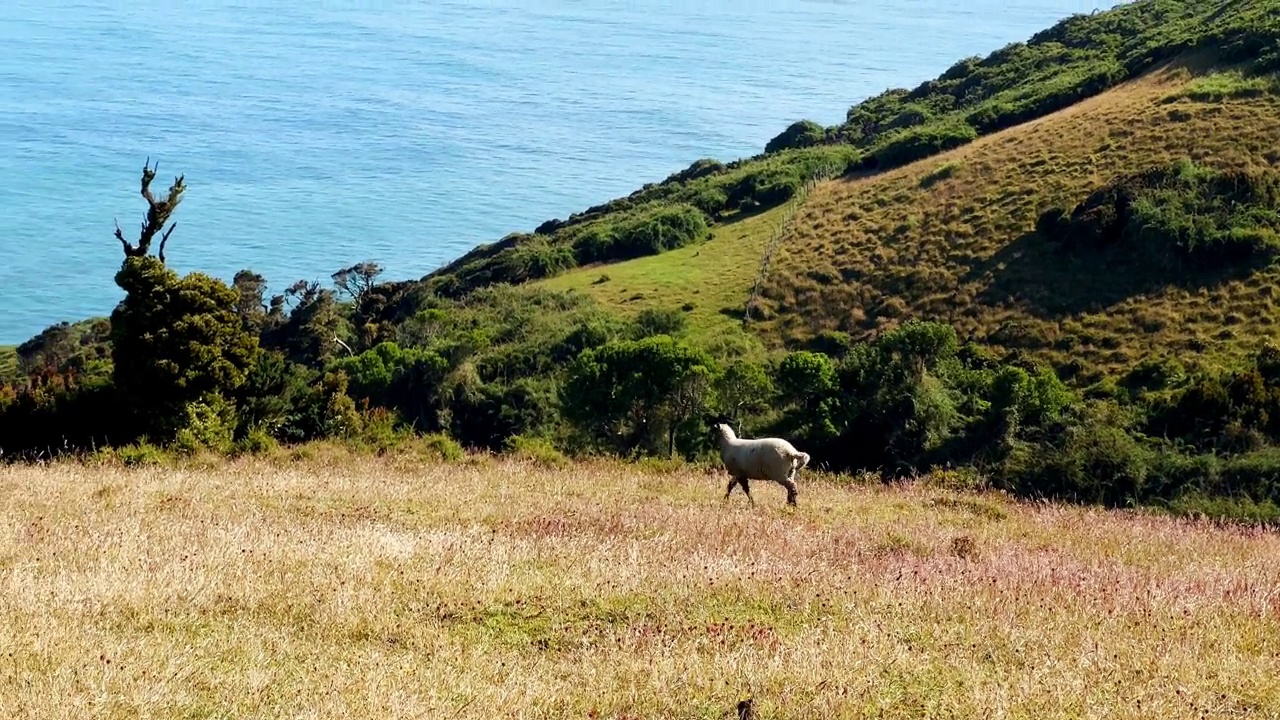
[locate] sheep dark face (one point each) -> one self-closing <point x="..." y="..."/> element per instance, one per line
<point x="713" y="430"/>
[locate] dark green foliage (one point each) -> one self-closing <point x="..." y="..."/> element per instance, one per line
<point x="1062" y="91"/>
<point x="655" y="321"/>
<point x="764" y="188"/>
<point x="1090" y="458"/>
<point x="78" y="348"/>
<point x="251" y="304"/>
<point x="175" y="341"/>
<point x="408" y="381"/>
<point x="913" y="144"/>
<point x="831" y="342"/>
<point x="1185" y="218"/>
<point x="491" y="414"/>
<point x="698" y="169"/>
<point x="633" y="394"/>
<point x="805" y="379"/>
<point x="278" y="399"/>
<point x="656" y="218"/>
<point x="1227" y="413"/>
<point x="745" y="389"/>
<point x="800" y="134"/>
<point x="912" y="400"/>
<point x="55" y="412"/>
<point x="647" y="232"/>
<point x="310" y="331"/>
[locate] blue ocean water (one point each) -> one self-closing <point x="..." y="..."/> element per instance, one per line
<point x="317" y="134"/>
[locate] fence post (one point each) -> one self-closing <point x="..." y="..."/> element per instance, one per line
<point x="784" y="226"/>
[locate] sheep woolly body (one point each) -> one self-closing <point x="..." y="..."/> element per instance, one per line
<point x="759" y="459"/>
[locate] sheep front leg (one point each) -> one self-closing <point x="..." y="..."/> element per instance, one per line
<point x="738" y="481"/>
<point x="792" y="490"/>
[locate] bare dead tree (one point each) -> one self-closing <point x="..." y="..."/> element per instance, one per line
<point x="158" y="213"/>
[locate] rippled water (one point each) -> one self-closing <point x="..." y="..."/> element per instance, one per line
<point x="317" y="134"/>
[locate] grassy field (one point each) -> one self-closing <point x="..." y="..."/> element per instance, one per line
<point x="8" y="362"/>
<point x="714" y="277"/>
<point x="492" y="588"/>
<point x="952" y="238"/>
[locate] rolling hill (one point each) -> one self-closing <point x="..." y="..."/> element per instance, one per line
<point x="1103" y="197"/>
<point x="954" y="237"/>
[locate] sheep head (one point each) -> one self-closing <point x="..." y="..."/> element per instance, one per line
<point x="723" y="431"/>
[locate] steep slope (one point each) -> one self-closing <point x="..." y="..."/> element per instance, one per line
<point x="953" y="238"/>
<point x="1077" y="58"/>
<point x="8" y="363"/>
<point x="709" y="282"/>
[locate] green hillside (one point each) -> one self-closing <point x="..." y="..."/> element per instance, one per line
<point x="1077" y="58"/>
<point x="963" y="238"/>
<point x="1051" y="268"/>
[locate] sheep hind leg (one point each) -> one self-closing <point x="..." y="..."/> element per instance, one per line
<point x="747" y="489"/>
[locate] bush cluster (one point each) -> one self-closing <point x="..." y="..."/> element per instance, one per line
<point x="1182" y="217"/>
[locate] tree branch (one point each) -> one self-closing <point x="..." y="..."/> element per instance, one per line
<point x="344" y="345"/>
<point x="164" y="239"/>
<point x="158" y="212"/>
<point x="128" y="249"/>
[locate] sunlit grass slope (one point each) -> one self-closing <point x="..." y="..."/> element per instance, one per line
<point x="487" y="589"/>
<point x="713" y="278"/>
<point x="952" y="238"/>
<point x="8" y="362"/>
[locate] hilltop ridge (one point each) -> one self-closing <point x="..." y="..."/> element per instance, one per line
<point x="1079" y="57"/>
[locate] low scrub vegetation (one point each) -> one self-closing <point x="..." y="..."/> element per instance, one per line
<point x="1184" y="217"/>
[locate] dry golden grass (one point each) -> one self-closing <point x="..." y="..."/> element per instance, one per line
<point x="951" y="238"/>
<point x="487" y="589"/>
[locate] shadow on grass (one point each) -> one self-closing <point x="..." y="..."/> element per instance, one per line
<point x="1035" y="274"/>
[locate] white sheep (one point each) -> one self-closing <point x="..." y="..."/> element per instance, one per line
<point x="759" y="459"/>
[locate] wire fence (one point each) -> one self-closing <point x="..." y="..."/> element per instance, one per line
<point x="775" y="240"/>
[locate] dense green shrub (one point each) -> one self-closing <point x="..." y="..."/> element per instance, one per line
<point x="1018" y="106"/>
<point x="799" y="134"/>
<point x="1090" y="457"/>
<point x="536" y="258"/>
<point x="907" y="146"/>
<point x="175" y="341"/>
<point x="659" y="321"/>
<point x="643" y="233"/>
<point x="54" y="413"/>
<point x="406" y="380"/>
<point x="1181" y="217"/>
<point x="633" y="395"/>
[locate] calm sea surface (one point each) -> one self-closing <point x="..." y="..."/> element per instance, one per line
<point x="317" y="134"/>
